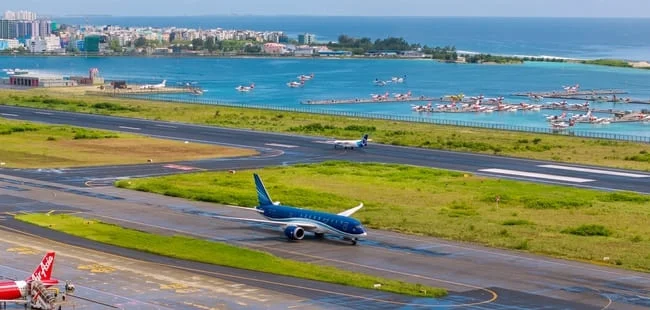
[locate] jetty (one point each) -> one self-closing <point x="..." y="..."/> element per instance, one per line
<point x="116" y="92"/>
<point x="370" y="100"/>
<point x="598" y="95"/>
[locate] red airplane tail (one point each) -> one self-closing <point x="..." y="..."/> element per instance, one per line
<point x="43" y="271"/>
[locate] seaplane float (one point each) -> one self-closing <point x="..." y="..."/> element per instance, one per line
<point x="245" y="89"/>
<point x="530" y="107"/>
<point x="402" y="96"/>
<point x="294" y="84"/>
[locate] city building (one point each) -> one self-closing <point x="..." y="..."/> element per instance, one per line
<point x="94" y="43"/>
<point x="20" y="15"/>
<point x="7" y="29"/>
<point x="44" y="45"/>
<point x="307" y="38"/>
<point x="274" y="48"/>
<point x="304" y="51"/>
<point x="6" y="44"/>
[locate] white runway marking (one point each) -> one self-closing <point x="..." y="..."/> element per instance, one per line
<point x="43" y="113"/>
<point x="281" y="145"/>
<point x="166" y="126"/>
<point x="616" y="173"/>
<point x="537" y="175"/>
<point x="132" y="128"/>
<point x="8" y="114"/>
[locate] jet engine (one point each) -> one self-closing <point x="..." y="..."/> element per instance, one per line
<point x="294" y="233"/>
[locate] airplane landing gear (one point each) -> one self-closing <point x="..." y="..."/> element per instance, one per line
<point x="319" y="236"/>
<point x="352" y="241"/>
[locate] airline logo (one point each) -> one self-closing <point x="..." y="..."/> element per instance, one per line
<point x="44" y="271"/>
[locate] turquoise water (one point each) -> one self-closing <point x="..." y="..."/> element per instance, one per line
<point x="353" y="78"/>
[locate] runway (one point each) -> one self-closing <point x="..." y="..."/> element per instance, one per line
<point x="477" y="277"/>
<point x="283" y="149"/>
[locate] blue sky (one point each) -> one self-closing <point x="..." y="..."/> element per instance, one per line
<point x="533" y="8"/>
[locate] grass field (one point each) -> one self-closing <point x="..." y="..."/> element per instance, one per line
<point x="31" y="145"/>
<point x="553" y="220"/>
<point x="518" y="144"/>
<point x="219" y="254"/>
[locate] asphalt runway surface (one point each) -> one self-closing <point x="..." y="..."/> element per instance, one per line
<point x="282" y="149"/>
<point x="477" y="277"/>
<point x="104" y="281"/>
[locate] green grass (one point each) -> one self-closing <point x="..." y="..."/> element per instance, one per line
<point x="30" y="145"/>
<point x="608" y="62"/>
<point x="518" y="144"/>
<point x="444" y="204"/>
<point x="219" y="254"/>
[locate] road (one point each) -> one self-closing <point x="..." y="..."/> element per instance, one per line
<point x="477" y="277"/>
<point x="282" y="149"/>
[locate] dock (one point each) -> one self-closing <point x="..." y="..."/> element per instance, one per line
<point x="597" y="95"/>
<point x="116" y="92"/>
<point x="369" y="100"/>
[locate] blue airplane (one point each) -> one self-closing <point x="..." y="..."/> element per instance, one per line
<point x="295" y="221"/>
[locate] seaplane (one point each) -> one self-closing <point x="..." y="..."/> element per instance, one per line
<point x="571" y="89"/>
<point x="379" y="97"/>
<point x="398" y="79"/>
<point x="445" y="107"/>
<point x="561" y="125"/>
<point x="245" y="89"/>
<point x="294" y="84"/>
<point x="306" y="77"/>
<point x="599" y="120"/>
<point x="580" y="118"/>
<point x="154" y="86"/>
<point x="379" y="82"/>
<point x="402" y="96"/>
<point x="530" y="107"/>
<point x="579" y="106"/>
<point x="554" y="118"/>
<point x="422" y="108"/>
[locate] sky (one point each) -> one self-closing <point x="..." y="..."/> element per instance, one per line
<point x="510" y="8"/>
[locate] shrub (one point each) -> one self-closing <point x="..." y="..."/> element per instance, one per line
<point x="516" y="222"/>
<point x="51" y="139"/>
<point x="588" y="230"/>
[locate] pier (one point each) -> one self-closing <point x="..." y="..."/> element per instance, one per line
<point x="599" y="95"/>
<point x="369" y="100"/>
<point x="116" y="92"/>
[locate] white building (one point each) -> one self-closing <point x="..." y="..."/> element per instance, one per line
<point x="43" y="45"/>
<point x="7" y="44"/>
<point x="20" y="15"/>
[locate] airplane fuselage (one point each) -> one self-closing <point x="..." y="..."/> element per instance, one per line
<point x="13" y="290"/>
<point x="342" y="226"/>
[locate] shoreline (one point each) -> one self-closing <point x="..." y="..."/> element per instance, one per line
<point x="630" y="64"/>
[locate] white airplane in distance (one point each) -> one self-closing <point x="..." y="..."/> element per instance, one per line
<point x="351" y="144"/>
<point x="154" y="86"/>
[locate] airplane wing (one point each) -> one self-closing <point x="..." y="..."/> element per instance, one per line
<point x="304" y="225"/>
<point x="349" y="212"/>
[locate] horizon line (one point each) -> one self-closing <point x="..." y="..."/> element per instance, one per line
<point x="357" y="16"/>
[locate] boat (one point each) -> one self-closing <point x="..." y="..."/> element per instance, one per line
<point x="15" y="71"/>
<point x="306" y="77"/>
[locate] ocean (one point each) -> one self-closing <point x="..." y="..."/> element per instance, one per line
<point x="621" y="38"/>
<point x="353" y="78"/>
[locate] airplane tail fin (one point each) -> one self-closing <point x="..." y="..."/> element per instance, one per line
<point x="43" y="271"/>
<point x="364" y="140"/>
<point x="263" y="196"/>
<point x="163" y="83"/>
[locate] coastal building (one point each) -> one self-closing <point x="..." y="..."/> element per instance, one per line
<point x="306" y="38"/>
<point x="35" y="80"/>
<point x="274" y="48"/>
<point x="6" y="44"/>
<point x="95" y="43"/>
<point x="334" y="53"/>
<point x="304" y="51"/>
<point x="44" y="45"/>
<point x="7" y="29"/>
<point x="20" y="15"/>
